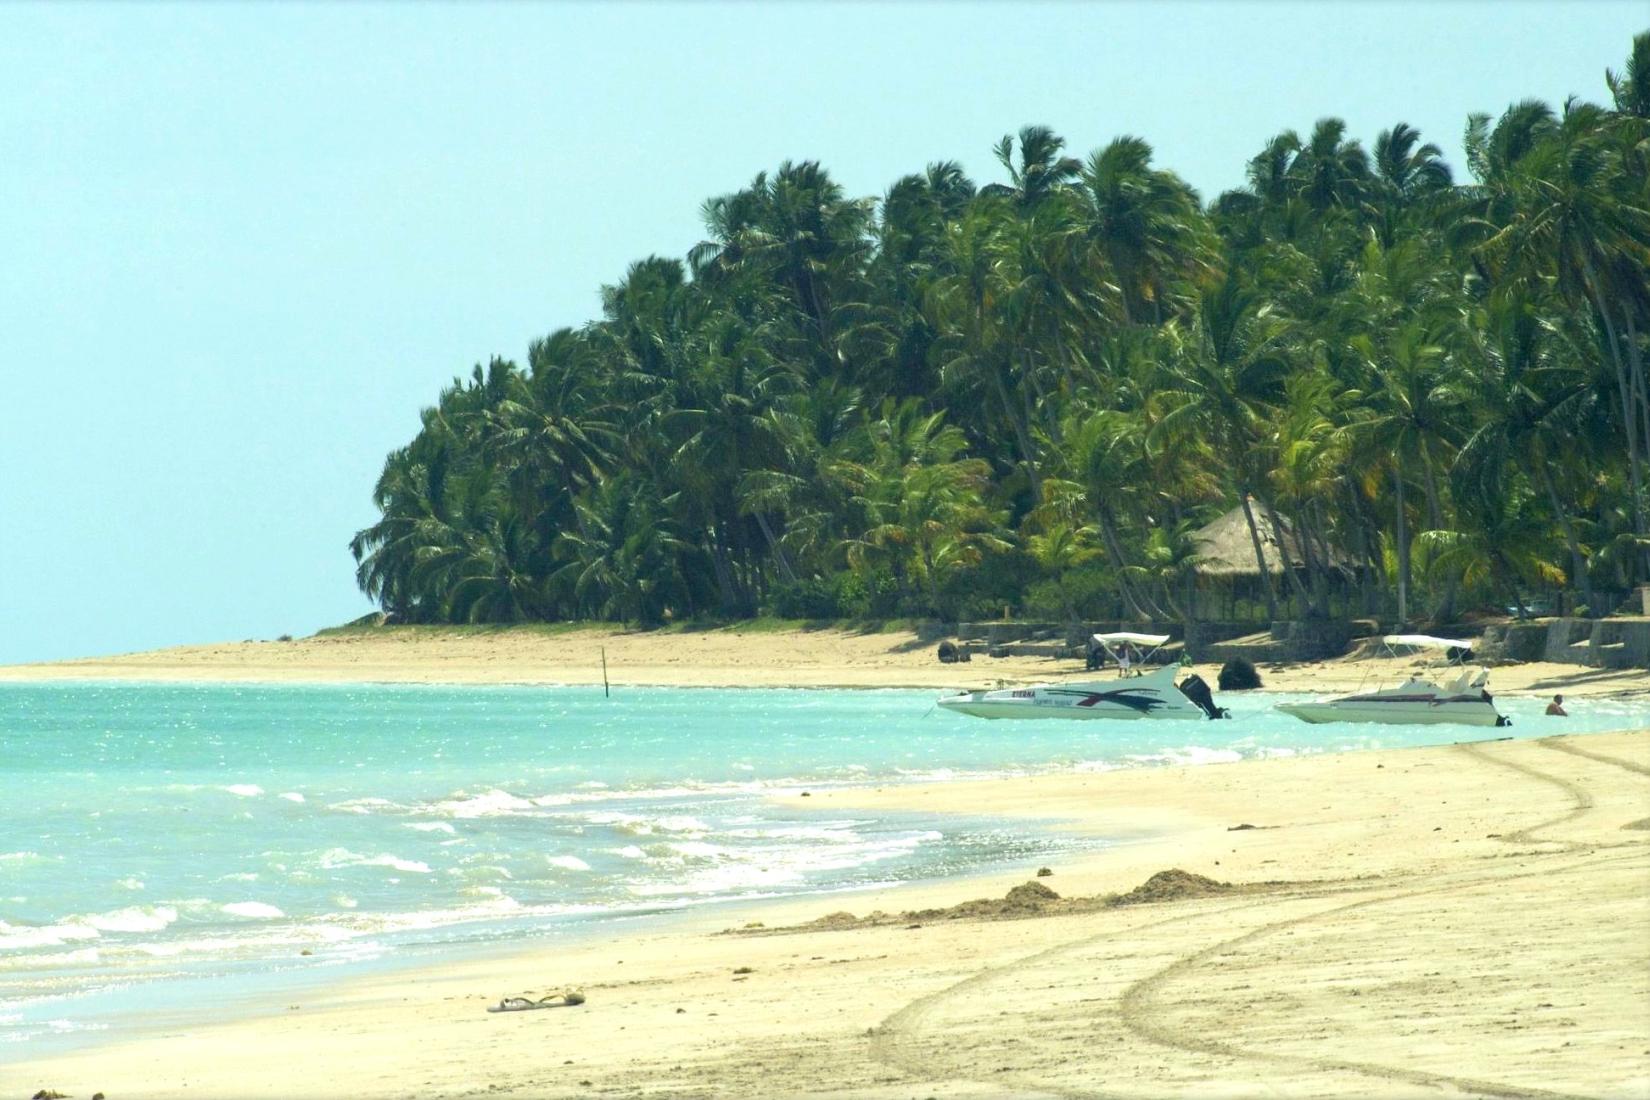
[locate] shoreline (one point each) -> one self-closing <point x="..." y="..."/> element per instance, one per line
<point x="1524" y="860"/>
<point x="795" y="657"/>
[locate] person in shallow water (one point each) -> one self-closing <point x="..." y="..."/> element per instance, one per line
<point x="1556" y="707"/>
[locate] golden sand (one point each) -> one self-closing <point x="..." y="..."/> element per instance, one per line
<point x="1462" y="920"/>
<point x="1472" y="920"/>
<point x="707" y="658"/>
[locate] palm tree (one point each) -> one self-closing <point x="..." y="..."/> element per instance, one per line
<point x="981" y="365"/>
<point x="1351" y="346"/>
<point x="1146" y="226"/>
<point x="925" y="516"/>
<point x="1567" y="219"/>
<point x="1631" y="87"/>
<point x="1225" y="383"/>
<point x="1041" y="171"/>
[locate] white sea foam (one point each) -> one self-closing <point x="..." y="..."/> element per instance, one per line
<point x="31" y="937"/>
<point x="134" y="918"/>
<point x="257" y="909"/>
<point x="1189" y="754"/>
<point x="245" y="790"/>
<point x="712" y="869"/>
<point x="361" y="805"/>
<point x="85" y="956"/>
<point x="640" y="825"/>
<point x="698" y="849"/>
<point x="492" y="803"/>
<point x="86" y="926"/>
<point x="130" y="882"/>
<point x="568" y="863"/>
<point x="630" y="851"/>
<point x="634" y="824"/>
<point x="334" y="858"/>
<point x="18" y="857"/>
<point x="430" y="826"/>
<point x="293" y="796"/>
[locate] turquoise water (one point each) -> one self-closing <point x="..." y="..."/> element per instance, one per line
<point x="157" y="837"/>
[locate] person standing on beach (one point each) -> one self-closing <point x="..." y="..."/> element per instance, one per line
<point x="1556" y="707"/>
<point x="1123" y="660"/>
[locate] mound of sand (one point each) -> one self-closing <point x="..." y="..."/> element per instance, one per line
<point x="1029" y="899"/>
<point x="1173" y="885"/>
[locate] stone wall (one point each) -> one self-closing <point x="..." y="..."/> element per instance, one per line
<point x="1598" y="643"/>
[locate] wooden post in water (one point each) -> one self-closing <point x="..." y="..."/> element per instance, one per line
<point x="606" y="694"/>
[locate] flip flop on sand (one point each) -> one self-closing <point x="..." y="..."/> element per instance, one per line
<point x="554" y="1000"/>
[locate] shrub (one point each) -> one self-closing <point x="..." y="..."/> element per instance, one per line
<point x="812" y="598"/>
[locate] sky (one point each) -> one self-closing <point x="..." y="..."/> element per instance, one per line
<point x="242" y="245"/>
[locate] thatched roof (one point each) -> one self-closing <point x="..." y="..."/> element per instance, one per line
<point x="1226" y="550"/>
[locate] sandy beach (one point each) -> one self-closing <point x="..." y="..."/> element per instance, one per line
<point x="1471" y="919"/>
<point x="1463" y="920"/>
<point x="729" y="657"/>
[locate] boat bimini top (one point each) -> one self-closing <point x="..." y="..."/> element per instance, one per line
<point x="1394" y="642"/>
<point x="1107" y="642"/>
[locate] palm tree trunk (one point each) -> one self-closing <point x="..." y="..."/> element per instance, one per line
<point x="1326" y="554"/>
<point x="1403" y="549"/>
<point x="1364" y="540"/>
<point x="724" y="571"/>
<point x="1316" y="550"/>
<point x="1641" y="387"/>
<point x="1629" y="421"/>
<point x="1582" y="572"/>
<point x="1435" y="517"/>
<point x="1279" y="537"/>
<point x="1174" y="607"/>
<point x="1500" y="570"/>
<point x="1022" y="435"/>
<point x="1114" y="551"/>
<point x="779" y="555"/>
<point x="1260" y="557"/>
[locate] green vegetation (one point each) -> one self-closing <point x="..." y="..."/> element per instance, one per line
<point x="1029" y="394"/>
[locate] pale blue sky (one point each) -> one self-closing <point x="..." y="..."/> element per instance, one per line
<point x="242" y="245"/>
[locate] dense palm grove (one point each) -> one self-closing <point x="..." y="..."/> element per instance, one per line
<point x="1030" y="393"/>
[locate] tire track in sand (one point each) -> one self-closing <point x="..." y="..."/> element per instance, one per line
<point x="1581" y="800"/>
<point x="1574" y="750"/>
<point x="892" y="1041"/>
<point x="1140" y="1015"/>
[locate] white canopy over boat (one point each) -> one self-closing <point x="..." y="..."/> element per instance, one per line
<point x="1137" y="639"/>
<point x="1426" y="641"/>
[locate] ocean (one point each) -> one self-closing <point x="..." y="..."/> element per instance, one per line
<point x="163" y="844"/>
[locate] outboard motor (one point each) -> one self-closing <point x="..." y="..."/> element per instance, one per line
<point x="1193" y="688"/>
<point x="1500" y="719"/>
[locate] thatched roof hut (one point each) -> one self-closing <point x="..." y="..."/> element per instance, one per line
<point x="1225" y="548"/>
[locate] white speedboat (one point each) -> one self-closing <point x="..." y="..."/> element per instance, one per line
<point x="1459" y="701"/>
<point x="1154" y="695"/>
